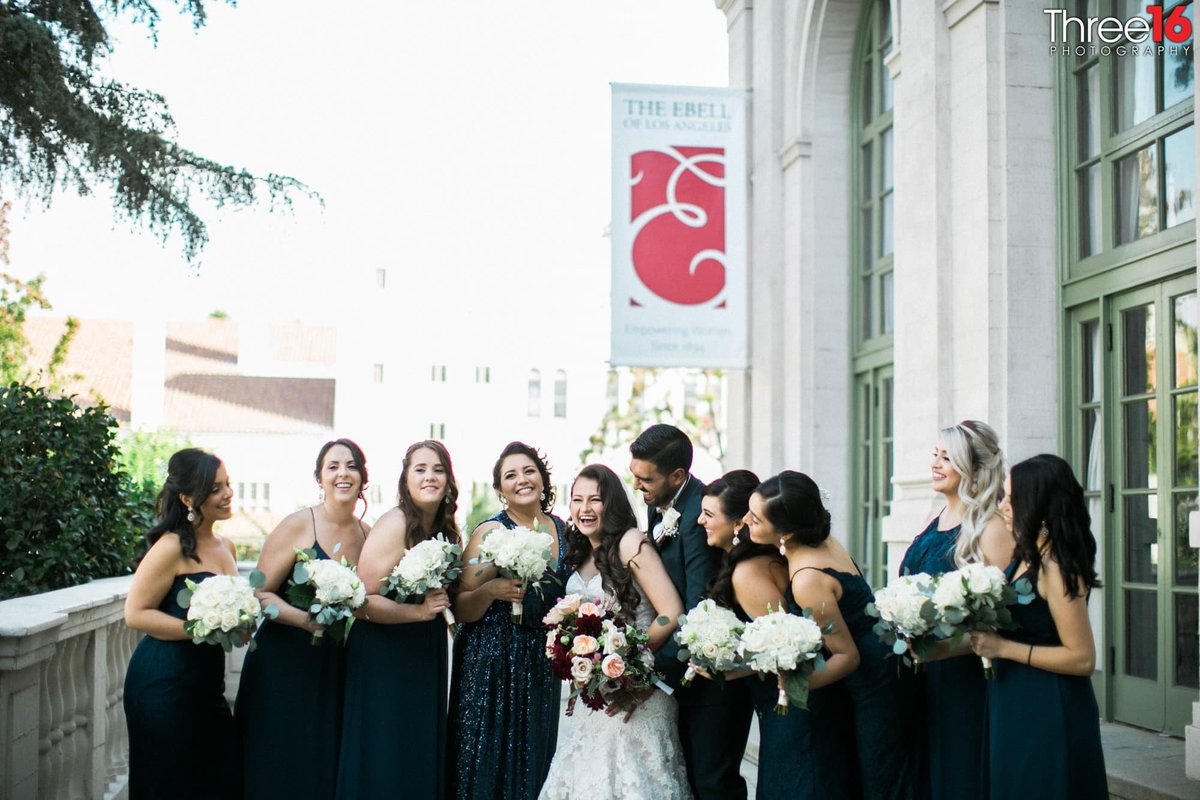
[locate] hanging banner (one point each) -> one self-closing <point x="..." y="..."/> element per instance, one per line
<point x="679" y="227"/>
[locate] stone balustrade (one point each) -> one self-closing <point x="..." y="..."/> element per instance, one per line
<point x="63" y="657"/>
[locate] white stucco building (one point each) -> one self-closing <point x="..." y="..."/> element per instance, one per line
<point x="949" y="221"/>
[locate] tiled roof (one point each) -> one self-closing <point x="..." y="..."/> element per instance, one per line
<point x="203" y="388"/>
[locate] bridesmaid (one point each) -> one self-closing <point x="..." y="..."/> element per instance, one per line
<point x="787" y="510"/>
<point x="751" y="581"/>
<point x="397" y="666"/>
<point x="175" y="690"/>
<point x="1043" y="731"/>
<point x="968" y="470"/>
<point x="289" y="704"/>
<point x="504" y="701"/>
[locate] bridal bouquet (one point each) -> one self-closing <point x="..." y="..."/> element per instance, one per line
<point x="606" y="661"/>
<point x="976" y="598"/>
<point x="518" y="553"/>
<point x="708" y="638"/>
<point x="788" y="646"/>
<point x="907" y="616"/>
<point x="330" y="591"/>
<point x="431" y="564"/>
<point x="222" y="610"/>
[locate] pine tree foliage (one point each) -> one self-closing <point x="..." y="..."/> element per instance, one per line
<point x="63" y="124"/>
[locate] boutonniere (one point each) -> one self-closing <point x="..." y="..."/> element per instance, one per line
<point x="670" y="522"/>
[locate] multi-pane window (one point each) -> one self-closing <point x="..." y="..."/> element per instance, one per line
<point x="874" y="206"/>
<point x="253" y="496"/>
<point x="378" y="373"/>
<point x="560" y="394"/>
<point x="535" y="393"/>
<point x="1133" y="149"/>
<point x="437" y="373"/>
<point x="381" y="278"/>
<point x="483" y="374"/>
<point x="437" y="430"/>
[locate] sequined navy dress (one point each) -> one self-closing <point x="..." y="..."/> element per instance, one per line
<point x="178" y="717"/>
<point x="289" y="712"/>
<point x="504" y="702"/>
<point x="949" y="695"/>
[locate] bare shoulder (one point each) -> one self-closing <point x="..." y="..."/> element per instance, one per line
<point x="632" y="542"/>
<point x="294" y="525"/>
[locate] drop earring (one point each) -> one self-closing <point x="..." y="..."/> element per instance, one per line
<point x="321" y="495"/>
<point x="191" y="515"/>
<point x="737" y="536"/>
<point x="782" y="548"/>
<point x="447" y="500"/>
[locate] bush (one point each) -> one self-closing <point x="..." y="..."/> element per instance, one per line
<point x="68" y="512"/>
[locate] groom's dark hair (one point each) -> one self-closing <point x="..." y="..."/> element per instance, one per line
<point x="665" y="446"/>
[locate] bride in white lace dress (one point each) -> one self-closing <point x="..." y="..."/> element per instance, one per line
<point x="610" y="753"/>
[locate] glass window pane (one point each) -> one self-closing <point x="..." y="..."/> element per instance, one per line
<point x="1088" y="90"/>
<point x="1179" y="72"/>
<point x="866" y="105"/>
<point x="885" y="83"/>
<point x="865" y="309"/>
<point x="1185" y="439"/>
<point x="1187" y="641"/>
<point x="1141" y="540"/>
<point x="885" y="21"/>
<point x="889" y="314"/>
<point x="1090" y="358"/>
<point x="1141" y="439"/>
<point x="885" y="224"/>
<point x="868" y="180"/>
<point x="1137" y="195"/>
<point x="885" y="160"/>
<point x="1091" y="450"/>
<point x="888" y="390"/>
<point x="867" y="232"/>
<point x="1137" y="326"/>
<point x="1141" y="634"/>
<point x="1185" y="340"/>
<point x="1186" y="562"/>
<point x="1179" y="155"/>
<point x="1134" y="92"/>
<point x="1089" y="211"/>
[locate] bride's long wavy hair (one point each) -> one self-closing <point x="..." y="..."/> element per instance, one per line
<point x="616" y="518"/>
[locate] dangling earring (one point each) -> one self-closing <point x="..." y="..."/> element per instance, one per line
<point x="447" y="500"/>
<point x="1044" y="531"/>
<point x="503" y="501"/>
<point x="321" y="495"/>
<point x="737" y="532"/>
<point x="191" y="515"/>
<point x="782" y="548"/>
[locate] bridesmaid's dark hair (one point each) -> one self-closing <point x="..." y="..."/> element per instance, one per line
<point x="733" y="490"/>
<point x="1045" y="492"/>
<point x="443" y="519"/>
<point x="522" y="449"/>
<point x="360" y="466"/>
<point x="190" y="472"/>
<point x="618" y="517"/>
<point x="792" y="503"/>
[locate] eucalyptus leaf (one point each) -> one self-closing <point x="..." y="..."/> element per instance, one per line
<point x="299" y="573"/>
<point x="796" y="686"/>
<point x="900" y="647"/>
<point x="257" y="579"/>
<point x="184" y="598"/>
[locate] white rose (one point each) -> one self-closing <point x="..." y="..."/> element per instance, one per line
<point x="581" y="669"/>
<point x="615" y="642"/>
<point x="229" y="620"/>
<point x="211" y="620"/>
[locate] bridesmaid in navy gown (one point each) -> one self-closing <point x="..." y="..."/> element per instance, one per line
<point x="787" y="510"/>
<point x="947" y="698"/>
<point x="1043" y="731"/>
<point x="181" y="735"/>
<point x="289" y="703"/>
<point x="504" y="701"/>
<point x="397" y="665"/>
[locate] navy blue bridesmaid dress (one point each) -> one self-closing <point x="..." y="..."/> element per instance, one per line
<point x="1043" y="728"/>
<point x="289" y="712"/>
<point x="804" y="754"/>
<point x="504" y="702"/>
<point x="882" y="730"/>
<point x="949" y="695"/>
<point x="181" y="734"/>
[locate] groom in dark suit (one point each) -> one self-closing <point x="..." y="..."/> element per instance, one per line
<point x="713" y="723"/>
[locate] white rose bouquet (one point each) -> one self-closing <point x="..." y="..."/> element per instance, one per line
<point x="431" y="564"/>
<point x="907" y="616"/>
<point x="329" y="590"/>
<point x="606" y="661"/>
<point x="708" y="638"/>
<point x="976" y="598"/>
<point x="222" y="610"/>
<point x="518" y="553"/>
<point x="787" y="646"/>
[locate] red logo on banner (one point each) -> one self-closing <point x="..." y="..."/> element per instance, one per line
<point x="678" y="214"/>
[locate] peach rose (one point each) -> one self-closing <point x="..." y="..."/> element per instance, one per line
<point x="590" y="609"/>
<point x="613" y="666"/>
<point x="585" y="645"/>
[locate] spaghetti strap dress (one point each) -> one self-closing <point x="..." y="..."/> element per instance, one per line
<point x="1043" y="729"/>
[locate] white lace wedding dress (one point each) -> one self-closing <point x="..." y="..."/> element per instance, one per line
<point x="599" y="756"/>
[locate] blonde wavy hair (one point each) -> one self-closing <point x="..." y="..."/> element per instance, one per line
<point x="974" y="450"/>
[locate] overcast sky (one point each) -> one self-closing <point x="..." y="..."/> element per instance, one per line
<point x="462" y="144"/>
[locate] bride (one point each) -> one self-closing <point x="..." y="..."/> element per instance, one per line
<point x="618" y="752"/>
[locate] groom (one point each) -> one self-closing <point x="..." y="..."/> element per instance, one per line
<point x="713" y="723"/>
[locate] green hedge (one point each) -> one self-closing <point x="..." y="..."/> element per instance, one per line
<point x="68" y="513"/>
